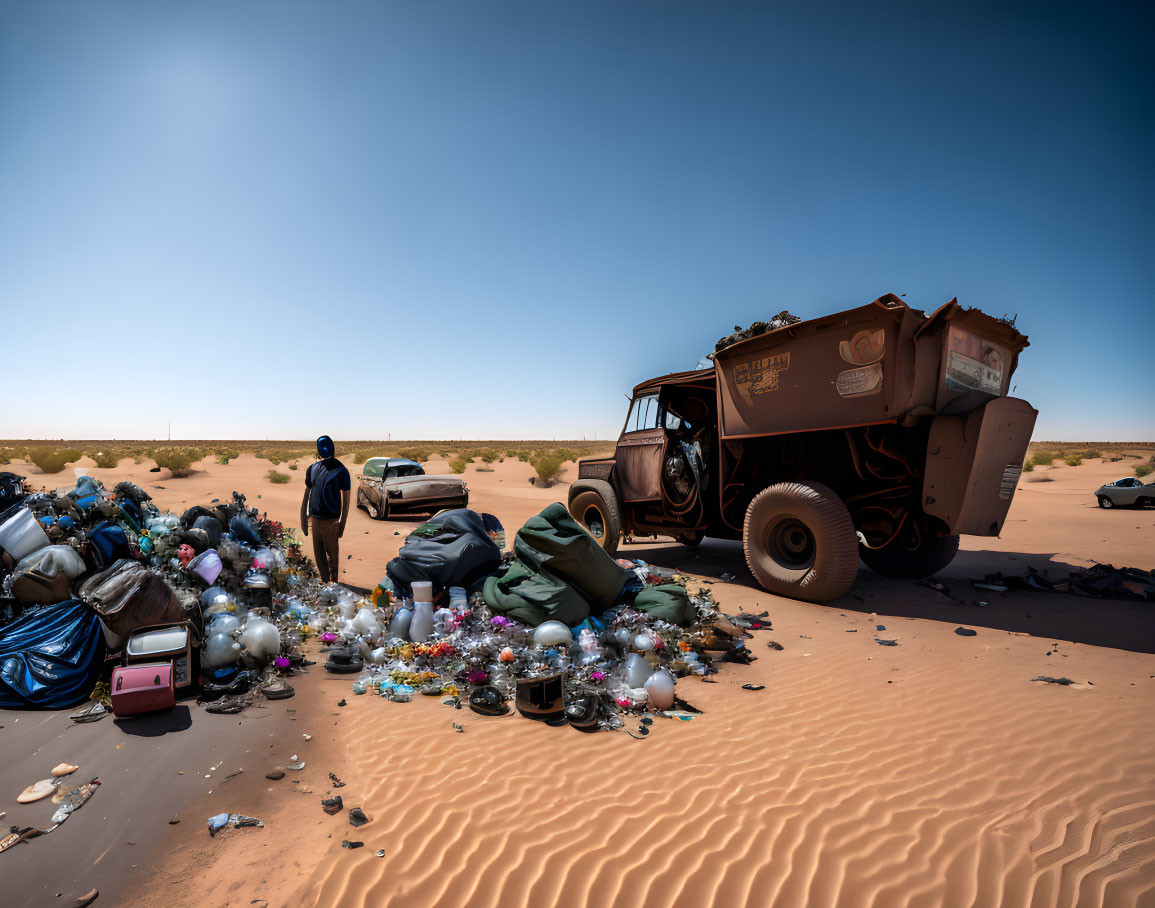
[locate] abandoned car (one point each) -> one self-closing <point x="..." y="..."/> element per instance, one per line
<point x="1128" y="492"/>
<point x="878" y="432"/>
<point x="392" y="485"/>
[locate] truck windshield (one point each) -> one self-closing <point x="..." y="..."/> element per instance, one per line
<point x="643" y="414"/>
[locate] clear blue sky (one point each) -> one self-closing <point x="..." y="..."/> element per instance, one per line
<point x="443" y="219"/>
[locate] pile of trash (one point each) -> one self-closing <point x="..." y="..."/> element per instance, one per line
<point x="560" y="628"/>
<point x="1100" y="581"/>
<point x="756" y="329"/>
<point x="105" y="597"/>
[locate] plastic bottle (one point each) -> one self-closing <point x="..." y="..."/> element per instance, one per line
<point x="443" y="622"/>
<point x="660" y="688"/>
<point x="421" y="629"/>
<point x="637" y="671"/>
<point x="458" y="598"/>
<point x="399" y="626"/>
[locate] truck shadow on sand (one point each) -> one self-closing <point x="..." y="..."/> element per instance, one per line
<point x="1123" y="624"/>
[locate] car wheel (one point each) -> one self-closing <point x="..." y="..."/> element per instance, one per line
<point x="599" y="518"/>
<point x="800" y="542"/>
<point x="1105" y="502"/>
<point x="377" y="513"/>
<point x="901" y="563"/>
<point x="361" y="500"/>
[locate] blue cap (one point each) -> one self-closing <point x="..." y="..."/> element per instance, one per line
<point x="325" y="446"/>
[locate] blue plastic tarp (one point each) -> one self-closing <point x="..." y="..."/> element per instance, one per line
<point x="51" y="658"/>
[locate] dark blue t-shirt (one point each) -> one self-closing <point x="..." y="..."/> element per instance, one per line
<point x="326" y="480"/>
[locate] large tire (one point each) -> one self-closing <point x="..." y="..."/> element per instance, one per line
<point x="599" y="518"/>
<point x="1105" y="502"/>
<point x="897" y="561"/>
<point x="800" y="542"/>
<point x="361" y="500"/>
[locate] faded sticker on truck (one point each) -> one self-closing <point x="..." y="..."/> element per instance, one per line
<point x="864" y="348"/>
<point x="973" y="364"/>
<point x="860" y="382"/>
<point x="760" y="375"/>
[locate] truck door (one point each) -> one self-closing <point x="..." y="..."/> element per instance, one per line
<point x="639" y="455"/>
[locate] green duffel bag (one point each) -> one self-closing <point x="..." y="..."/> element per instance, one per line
<point x="667" y="602"/>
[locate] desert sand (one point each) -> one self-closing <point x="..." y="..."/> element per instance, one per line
<point x="934" y="772"/>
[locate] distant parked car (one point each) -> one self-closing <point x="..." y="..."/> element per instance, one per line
<point x="1124" y="492"/>
<point x="390" y="485"/>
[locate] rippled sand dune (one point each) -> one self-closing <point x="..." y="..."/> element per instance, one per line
<point x="934" y="772"/>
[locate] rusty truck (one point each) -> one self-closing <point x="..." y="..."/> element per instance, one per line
<point x="877" y="433"/>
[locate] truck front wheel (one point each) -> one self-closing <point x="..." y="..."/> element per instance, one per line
<point x="901" y="563"/>
<point x="800" y="542"/>
<point x="599" y="518"/>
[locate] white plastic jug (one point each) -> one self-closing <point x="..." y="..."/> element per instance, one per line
<point x="399" y="626"/>
<point x="637" y="670"/>
<point x="660" y="688"/>
<point x="421" y="629"/>
<point x="21" y="535"/>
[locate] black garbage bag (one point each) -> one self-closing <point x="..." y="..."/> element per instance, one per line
<point x="11" y="489"/>
<point x="452" y="549"/>
<point x="50" y="658"/>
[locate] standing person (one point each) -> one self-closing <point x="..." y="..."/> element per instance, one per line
<point x="326" y="504"/>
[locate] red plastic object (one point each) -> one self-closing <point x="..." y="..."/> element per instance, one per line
<point x="142" y="688"/>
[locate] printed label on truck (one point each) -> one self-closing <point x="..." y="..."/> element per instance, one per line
<point x="973" y="364"/>
<point x="860" y="382"/>
<point x="760" y="375"/>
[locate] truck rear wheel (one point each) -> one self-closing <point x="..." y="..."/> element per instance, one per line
<point x="599" y="518"/>
<point x="800" y="542"/>
<point x="902" y="563"/>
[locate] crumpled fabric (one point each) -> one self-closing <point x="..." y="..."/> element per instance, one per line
<point x="51" y="658"/>
<point x="561" y="573"/>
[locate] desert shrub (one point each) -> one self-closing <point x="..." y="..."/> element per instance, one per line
<point x="105" y="460"/>
<point x="1042" y="458"/>
<point x="1072" y="460"/>
<point x="1028" y="467"/>
<point x="292" y="466"/>
<point x="489" y="456"/>
<point x="50" y="460"/>
<point x="1144" y="469"/>
<point x="458" y="464"/>
<point x="278" y="478"/>
<point x="1092" y="454"/>
<point x="417" y="455"/>
<point x="360" y="457"/>
<point x="176" y="460"/>
<point x="548" y="467"/>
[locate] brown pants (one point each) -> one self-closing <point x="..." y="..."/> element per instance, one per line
<point x="325" y="544"/>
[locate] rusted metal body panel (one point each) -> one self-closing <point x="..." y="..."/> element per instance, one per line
<point x="850" y="369"/>
<point x="639" y="464"/>
<point x="880" y="363"/>
<point x="596" y="469"/>
<point x="973" y="464"/>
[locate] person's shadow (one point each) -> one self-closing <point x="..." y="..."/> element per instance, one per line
<point x="153" y="725"/>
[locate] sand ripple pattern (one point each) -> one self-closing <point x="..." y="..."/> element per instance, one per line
<point x="830" y="787"/>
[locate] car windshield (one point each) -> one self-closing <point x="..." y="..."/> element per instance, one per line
<point x="406" y="469"/>
<point x="374" y="467"/>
